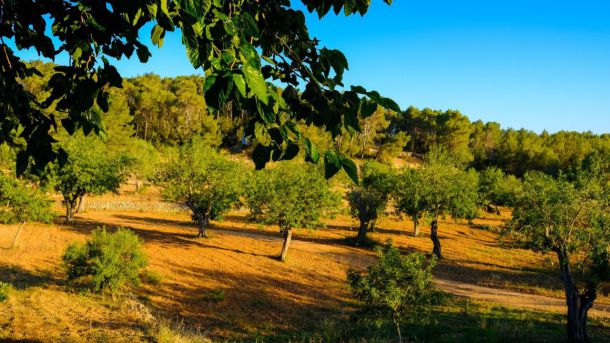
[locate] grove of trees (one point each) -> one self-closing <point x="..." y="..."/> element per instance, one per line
<point x="273" y="92"/>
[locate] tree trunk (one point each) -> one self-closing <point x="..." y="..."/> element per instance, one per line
<point x="397" y="324"/>
<point x="362" y="239"/>
<point x="287" y="238"/>
<point x="70" y="211"/>
<point x="17" y="235"/>
<point x="203" y="221"/>
<point x="81" y="205"/>
<point x="434" y="237"/>
<point x="415" y="227"/>
<point x="578" y="304"/>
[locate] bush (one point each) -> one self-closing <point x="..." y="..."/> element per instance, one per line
<point x="5" y="290"/>
<point x="108" y="261"/>
<point x="394" y="288"/>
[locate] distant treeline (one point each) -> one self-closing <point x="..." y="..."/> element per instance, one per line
<point x="170" y="111"/>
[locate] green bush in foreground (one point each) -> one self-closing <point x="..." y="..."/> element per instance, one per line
<point x="394" y="288"/>
<point x="108" y="261"/>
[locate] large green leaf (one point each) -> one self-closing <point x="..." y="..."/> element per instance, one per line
<point x="157" y="34"/>
<point x="311" y="152"/>
<point x="350" y="168"/>
<point x="255" y="81"/>
<point x="240" y="83"/>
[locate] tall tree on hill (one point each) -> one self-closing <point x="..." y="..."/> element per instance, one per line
<point x="291" y="196"/>
<point x="245" y="48"/>
<point x="571" y="220"/>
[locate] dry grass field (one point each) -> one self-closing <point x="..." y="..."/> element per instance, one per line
<point x="230" y="286"/>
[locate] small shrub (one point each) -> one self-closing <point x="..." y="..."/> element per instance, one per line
<point x="108" y="261"/>
<point x="396" y="288"/>
<point x="5" y="290"/>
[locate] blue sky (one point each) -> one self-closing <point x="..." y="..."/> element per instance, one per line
<point x="536" y="64"/>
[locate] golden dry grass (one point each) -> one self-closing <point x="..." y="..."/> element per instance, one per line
<point x="260" y="295"/>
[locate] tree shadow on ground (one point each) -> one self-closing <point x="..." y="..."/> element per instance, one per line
<point x="512" y="278"/>
<point x="250" y="303"/>
<point x="22" y="279"/>
<point x="165" y="238"/>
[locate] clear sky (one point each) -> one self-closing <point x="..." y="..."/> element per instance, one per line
<point x="537" y="64"/>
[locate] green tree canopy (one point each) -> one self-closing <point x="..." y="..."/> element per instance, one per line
<point x="89" y="169"/>
<point x="22" y="202"/>
<point x="206" y="182"/>
<point x="409" y="194"/>
<point x="291" y="196"/>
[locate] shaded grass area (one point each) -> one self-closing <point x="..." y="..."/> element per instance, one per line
<point x="456" y="320"/>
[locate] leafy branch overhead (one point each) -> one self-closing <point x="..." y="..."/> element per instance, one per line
<point x="257" y="56"/>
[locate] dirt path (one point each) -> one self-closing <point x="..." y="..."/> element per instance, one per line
<point x="359" y="258"/>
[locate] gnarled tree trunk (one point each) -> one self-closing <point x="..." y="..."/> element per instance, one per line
<point x="434" y="237"/>
<point x="578" y="304"/>
<point x="287" y="232"/>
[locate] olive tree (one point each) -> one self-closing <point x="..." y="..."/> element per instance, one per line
<point x="89" y="169"/>
<point x="291" y="196"/>
<point x="571" y="220"/>
<point x="448" y="190"/>
<point x="206" y="182"/>
<point x="369" y="199"/>
<point x="395" y="287"/>
<point x="408" y="193"/>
